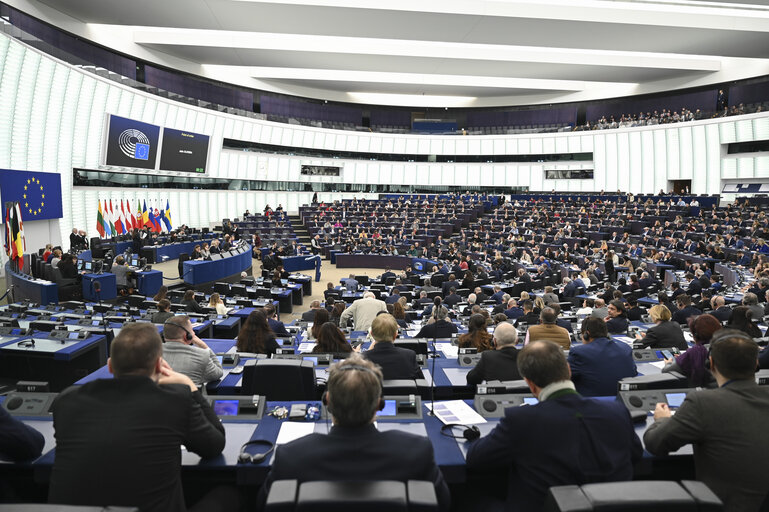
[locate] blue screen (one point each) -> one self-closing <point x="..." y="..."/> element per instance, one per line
<point x="132" y="143"/>
<point x="675" y="399"/>
<point x="530" y="400"/>
<point x="74" y="335"/>
<point x="226" y="407"/>
<point x="389" y="409"/>
<point x="313" y="359"/>
<point x="87" y="265"/>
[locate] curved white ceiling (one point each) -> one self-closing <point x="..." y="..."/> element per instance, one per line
<point x="434" y="53"/>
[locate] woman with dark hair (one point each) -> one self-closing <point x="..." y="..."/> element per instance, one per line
<point x="161" y="294"/>
<point x="336" y="313"/>
<point x="330" y="340"/>
<point x="477" y="336"/>
<point x="692" y="362"/>
<point x="190" y="304"/>
<point x="256" y="335"/>
<point x="742" y="321"/>
<point x="321" y="317"/>
<point x="469" y="281"/>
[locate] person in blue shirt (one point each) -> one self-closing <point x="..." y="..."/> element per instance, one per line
<point x="600" y="362"/>
<point x="18" y="442"/>
<point x="351" y="283"/>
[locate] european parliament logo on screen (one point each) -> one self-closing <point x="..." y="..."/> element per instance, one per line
<point x="131" y="143"/>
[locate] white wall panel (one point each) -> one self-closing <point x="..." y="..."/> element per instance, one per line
<point x="52" y="118"/>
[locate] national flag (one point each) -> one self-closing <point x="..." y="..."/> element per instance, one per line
<point x="15" y="244"/>
<point x="112" y="218"/>
<point x="100" y="221"/>
<point x="107" y="230"/>
<point x="155" y="218"/>
<point x="145" y="215"/>
<point x="119" y="223"/>
<point x="151" y="218"/>
<point x="167" y="217"/>
<point x="130" y="220"/>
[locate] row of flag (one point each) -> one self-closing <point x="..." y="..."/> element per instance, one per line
<point x="114" y="220"/>
<point x="15" y="244"/>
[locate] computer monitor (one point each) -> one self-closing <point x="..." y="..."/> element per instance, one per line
<point x="88" y="266"/>
<point x="134" y="260"/>
<point x="80" y="264"/>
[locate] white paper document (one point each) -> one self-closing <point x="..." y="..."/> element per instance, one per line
<point x="306" y="347"/>
<point x="449" y="350"/>
<point x="456" y="411"/>
<point x="291" y="431"/>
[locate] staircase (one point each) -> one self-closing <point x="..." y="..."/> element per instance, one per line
<point x="302" y="235"/>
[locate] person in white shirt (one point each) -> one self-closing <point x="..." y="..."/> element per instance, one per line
<point x="216" y="302"/>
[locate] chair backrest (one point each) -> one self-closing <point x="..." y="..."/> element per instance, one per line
<point x="651" y="495"/>
<point x="344" y="496"/>
<point x="279" y="379"/>
<point x="222" y="288"/>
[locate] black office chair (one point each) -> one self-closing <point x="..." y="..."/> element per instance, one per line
<point x="352" y="496"/>
<point x="642" y="495"/>
<point x="222" y="288"/>
<point x="182" y="258"/>
<point x="399" y="387"/>
<point x="279" y="379"/>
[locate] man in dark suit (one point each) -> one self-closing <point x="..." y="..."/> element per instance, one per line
<point x="278" y="327"/>
<point x="449" y="284"/>
<point x="499" y="364"/>
<point x="18" y="441"/>
<point x="480" y="297"/>
<point x="309" y="315"/>
<point x="523" y="276"/>
<point x="126" y="433"/>
<point x="720" y="310"/>
<point x="600" y="362"/>
<point x="729" y="456"/>
<point x="395" y="362"/>
<point x="354" y="449"/>
<point x="529" y="317"/>
<point x="386" y="274"/>
<point x="695" y="287"/>
<point x="452" y="299"/>
<point x="570" y="288"/>
<point x="685" y="309"/>
<point x="569" y="439"/>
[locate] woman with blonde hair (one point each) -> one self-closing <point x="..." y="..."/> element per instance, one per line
<point x="665" y="332"/>
<point x="215" y="301"/>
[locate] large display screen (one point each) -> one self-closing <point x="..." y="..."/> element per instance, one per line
<point x="131" y="143"/>
<point x="183" y="151"/>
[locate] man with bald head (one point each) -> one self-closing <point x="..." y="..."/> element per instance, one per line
<point x="498" y="364"/>
<point x="363" y="311"/>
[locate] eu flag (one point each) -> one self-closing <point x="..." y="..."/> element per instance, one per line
<point x="38" y="193"/>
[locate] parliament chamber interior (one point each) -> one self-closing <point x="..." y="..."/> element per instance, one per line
<point x="307" y="256"/>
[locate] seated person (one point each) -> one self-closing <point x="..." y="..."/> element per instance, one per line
<point x="163" y="313"/>
<point x="616" y="320"/>
<point x="68" y="267"/>
<point x="500" y="363"/>
<point x="256" y="336"/>
<point x="190" y="304"/>
<point x="216" y="302"/>
<point x="548" y="329"/>
<point x="278" y="327"/>
<point x="126" y="433"/>
<point x="692" y="362"/>
<point x="600" y="362"/>
<point x="309" y="315"/>
<point x="395" y="362"/>
<point x="685" y="309"/>
<point x="742" y="320"/>
<point x="354" y="449"/>
<point x="188" y="354"/>
<point x="122" y="273"/>
<point x="569" y="439"/>
<point x="321" y="317"/>
<point x="18" y="441"/>
<point x="330" y="340"/>
<point x="529" y="317"/>
<point x="665" y="333"/>
<point x="726" y="426"/>
<point x="439" y="325"/>
<point x="477" y="336"/>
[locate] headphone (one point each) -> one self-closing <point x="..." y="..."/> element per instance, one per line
<point x="188" y="335"/>
<point x="247" y="458"/>
<point x="357" y="367"/>
<point x="469" y="432"/>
